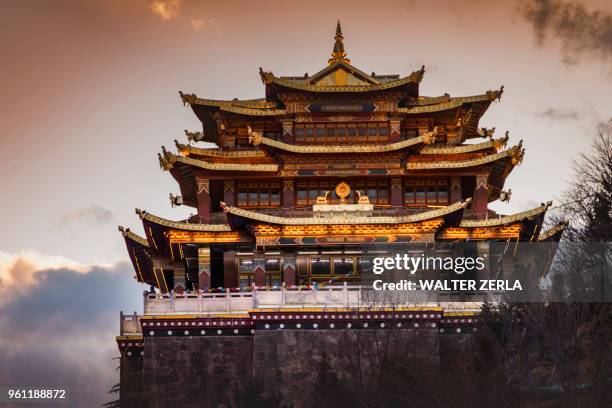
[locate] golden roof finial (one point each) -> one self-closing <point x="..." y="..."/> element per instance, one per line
<point x="338" y="53"/>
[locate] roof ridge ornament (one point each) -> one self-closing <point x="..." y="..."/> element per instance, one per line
<point x="187" y="98"/>
<point x="517" y="153"/>
<point x="266" y="77"/>
<point x="496" y="95"/>
<point x="183" y="149"/>
<point x="166" y="159"/>
<point x="193" y="137"/>
<point x="338" y="54"/>
<point x="501" y="143"/>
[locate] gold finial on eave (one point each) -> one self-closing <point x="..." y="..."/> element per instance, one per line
<point x="517" y="153"/>
<point x="338" y="53"/>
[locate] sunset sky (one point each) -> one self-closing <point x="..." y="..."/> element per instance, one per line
<point x="90" y="94"/>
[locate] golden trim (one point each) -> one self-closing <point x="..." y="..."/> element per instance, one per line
<point x="269" y="78"/>
<point x="354" y="148"/>
<point x="273" y="219"/>
<point x="515" y="153"/>
<point x="127" y="337"/>
<point x="260" y="103"/>
<point x="134" y="237"/>
<point x="253" y="112"/>
<point x="507" y="219"/>
<point x="182" y="225"/>
<point x="167" y="161"/>
<point x="497" y="144"/>
<point x="453" y="103"/>
<point x="187" y="150"/>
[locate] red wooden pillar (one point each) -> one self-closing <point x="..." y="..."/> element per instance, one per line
<point x="203" y="196"/>
<point x="289" y="269"/>
<point x="481" y="197"/>
<point x="288" y="193"/>
<point x="230" y="277"/>
<point x="229" y="192"/>
<point x="396" y="192"/>
<point x="288" y="131"/>
<point x="394" y="130"/>
<point x="259" y="268"/>
<point x="455" y="189"/>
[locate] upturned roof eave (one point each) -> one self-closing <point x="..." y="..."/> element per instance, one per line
<point x="365" y="220"/>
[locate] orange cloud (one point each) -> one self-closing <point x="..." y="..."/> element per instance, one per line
<point x="18" y="270"/>
<point x="197" y="24"/>
<point x="166" y="9"/>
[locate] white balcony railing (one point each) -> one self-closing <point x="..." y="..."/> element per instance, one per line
<point x="344" y="296"/>
<point x="283" y="297"/>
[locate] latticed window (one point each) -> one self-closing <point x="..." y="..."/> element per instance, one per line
<point x="273" y="271"/>
<point x="426" y="192"/>
<point x="330" y="133"/>
<point x="258" y="194"/>
<point x="406" y="134"/>
<point x="319" y="268"/>
<point x="273" y="134"/>
<point x="245" y="272"/>
<point x="376" y="190"/>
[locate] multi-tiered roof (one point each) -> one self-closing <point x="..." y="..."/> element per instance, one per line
<point x="268" y="139"/>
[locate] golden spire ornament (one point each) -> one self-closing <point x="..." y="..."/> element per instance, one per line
<point x="338" y="53"/>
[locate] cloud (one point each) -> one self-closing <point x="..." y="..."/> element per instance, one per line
<point x="17" y="270"/>
<point x="580" y="32"/>
<point x="61" y="330"/>
<point x="166" y="9"/>
<point x="197" y="24"/>
<point x="94" y="215"/>
<point x="558" y="114"/>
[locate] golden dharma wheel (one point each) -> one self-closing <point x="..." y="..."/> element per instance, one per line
<point x="343" y="190"/>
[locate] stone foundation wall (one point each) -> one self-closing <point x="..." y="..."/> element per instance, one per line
<point x="131" y="375"/>
<point x="289" y="360"/>
<point x="212" y="371"/>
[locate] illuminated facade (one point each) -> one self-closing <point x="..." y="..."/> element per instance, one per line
<point x="322" y="166"/>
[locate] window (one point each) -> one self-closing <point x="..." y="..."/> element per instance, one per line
<point x="376" y="190"/>
<point x="273" y="134"/>
<point x="362" y="132"/>
<point x="320" y="133"/>
<point x="442" y="191"/>
<point x="331" y="133"/>
<point x="406" y="134"/>
<point x="273" y="271"/>
<point x="320" y="265"/>
<point x="352" y="131"/>
<point x="245" y="272"/>
<point x="343" y="266"/>
<point x="309" y="133"/>
<point x="426" y="192"/>
<point x="260" y="194"/>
